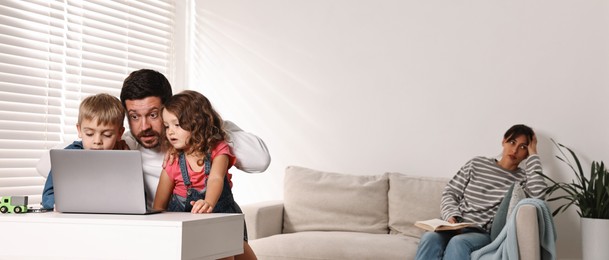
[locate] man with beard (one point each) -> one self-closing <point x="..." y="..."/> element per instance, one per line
<point x="143" y="94"/>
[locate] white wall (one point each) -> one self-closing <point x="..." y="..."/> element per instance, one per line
<point x="419" y="87"/>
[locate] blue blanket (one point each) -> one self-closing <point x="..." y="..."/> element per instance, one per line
<point x="505" y="246"/>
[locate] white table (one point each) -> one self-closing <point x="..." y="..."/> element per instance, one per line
<point x="103" y="236"/>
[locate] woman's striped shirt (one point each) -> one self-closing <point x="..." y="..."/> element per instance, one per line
<point x="476" y="191"/>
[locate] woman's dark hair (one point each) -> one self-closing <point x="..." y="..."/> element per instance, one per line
<point x="145" y="83"/>
<point x="518" y="130"/>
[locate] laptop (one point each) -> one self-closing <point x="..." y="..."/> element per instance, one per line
<point x="98" y="181"/>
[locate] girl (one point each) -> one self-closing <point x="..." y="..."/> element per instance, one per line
<point x="199" y="182"/>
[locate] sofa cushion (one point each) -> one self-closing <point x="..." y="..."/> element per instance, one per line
<point x="516" y="196"/>
<point x="413" y="198"/>
<point x="335" y="245"/>
<point x="325" y="201"/>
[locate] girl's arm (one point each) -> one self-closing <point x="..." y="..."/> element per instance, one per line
<point x="163" y="191"/>
<point x="215" y="183"/>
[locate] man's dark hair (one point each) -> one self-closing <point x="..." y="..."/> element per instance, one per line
<point x="145" y="83"/>
<point x="518" y="130"/>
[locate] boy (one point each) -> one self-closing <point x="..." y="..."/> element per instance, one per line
<point x="100" y="126"/>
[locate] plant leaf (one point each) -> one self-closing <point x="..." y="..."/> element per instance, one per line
<point x="589" y="195"/>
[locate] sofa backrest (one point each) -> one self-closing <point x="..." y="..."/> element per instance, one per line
<point x="387" y="203"/>
<point x="413" y="198"/>
<point x="324" y="201"/>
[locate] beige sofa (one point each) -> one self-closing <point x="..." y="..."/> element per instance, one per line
<point x="338" y="216"/>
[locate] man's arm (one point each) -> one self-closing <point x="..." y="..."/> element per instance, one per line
<point x="251" y="152"/>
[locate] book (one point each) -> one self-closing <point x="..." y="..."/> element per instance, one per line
<point x="441" y="225"/>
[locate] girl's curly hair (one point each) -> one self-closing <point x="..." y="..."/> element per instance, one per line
<point x="196" y="115"/>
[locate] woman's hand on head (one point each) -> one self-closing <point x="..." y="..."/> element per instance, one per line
<point x="201" y="206"/>
<point x="533" y="145"/>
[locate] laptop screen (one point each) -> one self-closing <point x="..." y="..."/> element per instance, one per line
<point x="98" y="181"/>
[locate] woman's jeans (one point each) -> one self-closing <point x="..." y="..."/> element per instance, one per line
<point x="454" y="245"/>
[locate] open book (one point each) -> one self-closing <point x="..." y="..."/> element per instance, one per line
<point x="440" y="225"/>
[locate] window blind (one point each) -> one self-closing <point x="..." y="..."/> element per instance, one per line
<point x="55" y="53"/>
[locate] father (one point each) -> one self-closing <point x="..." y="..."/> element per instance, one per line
<point x="144" y="92"/>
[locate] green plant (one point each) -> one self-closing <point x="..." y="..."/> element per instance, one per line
<point x="590" y="195"/>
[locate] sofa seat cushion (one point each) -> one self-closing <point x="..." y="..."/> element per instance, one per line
<point x="335" y="245"/>
<point x="413" y="198"/>
<point x="325" y="201"/>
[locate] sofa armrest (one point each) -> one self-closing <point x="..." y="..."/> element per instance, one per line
<point x="263" y="219"/>
<point x="527" y="232"/>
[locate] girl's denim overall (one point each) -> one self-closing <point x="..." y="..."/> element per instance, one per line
<point x="226" y="203"/>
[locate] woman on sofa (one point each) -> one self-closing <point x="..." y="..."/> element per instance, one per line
<point x="475" y="192"/>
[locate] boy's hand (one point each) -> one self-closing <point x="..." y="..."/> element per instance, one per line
<point x="201" y="206"/>
<point x="121" y="145"/>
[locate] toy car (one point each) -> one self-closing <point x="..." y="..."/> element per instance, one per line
<point x="13" y="204"/>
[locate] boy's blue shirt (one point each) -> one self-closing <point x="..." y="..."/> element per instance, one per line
<point x="48" y="195"/>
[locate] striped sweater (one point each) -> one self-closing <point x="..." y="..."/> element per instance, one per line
<point x="476" y="191"/>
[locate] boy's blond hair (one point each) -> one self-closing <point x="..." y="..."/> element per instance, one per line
<point x="107" y="109"/>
